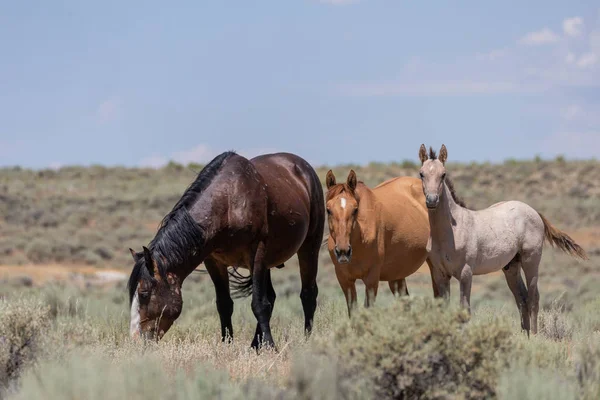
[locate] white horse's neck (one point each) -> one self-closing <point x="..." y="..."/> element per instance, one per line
<point x="445" y="217"/>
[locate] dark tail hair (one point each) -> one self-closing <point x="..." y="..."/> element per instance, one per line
<point x="240" y="285"/>
<point x="563" y="241"/>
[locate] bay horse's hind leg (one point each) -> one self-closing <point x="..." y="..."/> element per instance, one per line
<point x="220" y="277"/>
<point x="530" y="263"/>
<point x="271" y="296"/>
<point x="399" y="287"/>
<point x="512" y="273"/>
<point x="308" y="258"/>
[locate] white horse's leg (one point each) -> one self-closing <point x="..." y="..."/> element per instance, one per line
<point x="512" y="273"/>
<point x="466" y="278"/>
<point x="530" y="263"/>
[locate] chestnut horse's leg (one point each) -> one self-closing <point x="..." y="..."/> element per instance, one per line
<point x="261" y="306"/>
<point x="308" y="258"/>
<point x="220" y="277"/>
<point x="399" y="287"/>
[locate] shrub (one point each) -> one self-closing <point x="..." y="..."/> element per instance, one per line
<point x="588" y="367"/>
<point x="527" y="383"/>
<point x="420" y="348"/>
<point x="21" y="324"/>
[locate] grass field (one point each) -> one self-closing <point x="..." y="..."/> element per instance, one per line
<point x="64" y="312"/>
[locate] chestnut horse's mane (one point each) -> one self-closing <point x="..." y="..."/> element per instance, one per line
<point x="178" y="233"/>
<point x="339" y="189"/>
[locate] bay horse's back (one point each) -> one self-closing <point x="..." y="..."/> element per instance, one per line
<point x="296" y="210"/>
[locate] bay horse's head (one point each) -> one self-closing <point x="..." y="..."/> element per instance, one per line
<point x="155" y="297"/>
<point x="433" y="174"/>
<point x="342" y="209"/>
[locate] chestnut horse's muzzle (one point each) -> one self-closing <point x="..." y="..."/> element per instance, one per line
<point x="343" y="256"/>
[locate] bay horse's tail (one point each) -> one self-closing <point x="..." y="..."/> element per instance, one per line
<point x="240" y="285"/>
<point x="563" y="241"/>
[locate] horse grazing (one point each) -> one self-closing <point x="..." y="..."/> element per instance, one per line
<point x="254" y="214"/>
<point x="508" y="235"/>
<point x="376" y="235"/>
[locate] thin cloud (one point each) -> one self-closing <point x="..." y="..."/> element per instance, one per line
<point x="542" y="37"/>
<point x="108" y="110"/>
<point x="200" y="154"/>
<point x="587" y="60"/>
<point x="441" y="88"/>
<point x="578" y="144"/>
<point x="573" y="27"/>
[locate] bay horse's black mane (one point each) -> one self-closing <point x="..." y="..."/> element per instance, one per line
<point x="178" y="234"/>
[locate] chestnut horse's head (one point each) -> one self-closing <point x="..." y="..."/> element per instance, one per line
<point x="433" y="174"/>
<point x="342" y="209"/>
<point x="155" y="297"/>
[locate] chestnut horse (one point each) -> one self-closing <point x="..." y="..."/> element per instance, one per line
<point x="376" y="235"/>
<point x="253" y="214"/>
<point x="508" y="235"/>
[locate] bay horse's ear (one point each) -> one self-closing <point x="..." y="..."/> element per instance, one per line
<point x="423" y="153"/>
<point x="351" y="182"/>
<point x="135" y="255"/>
<point x="330" y="179"/>
<point x="443" y="154"/>
<point x="149" y="261"/>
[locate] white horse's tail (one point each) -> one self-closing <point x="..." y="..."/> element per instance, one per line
<point x="563" y="241"/>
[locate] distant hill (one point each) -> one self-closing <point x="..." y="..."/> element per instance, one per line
<point x="92" y="215"/>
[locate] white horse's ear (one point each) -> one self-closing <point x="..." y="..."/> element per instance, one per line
<point x="443" y="154"/>
<point x="423" y="153"/>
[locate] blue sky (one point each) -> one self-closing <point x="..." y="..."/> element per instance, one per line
<point x="337" y="81"/>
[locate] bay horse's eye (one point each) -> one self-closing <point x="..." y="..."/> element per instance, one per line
<point x="144" y="295"/>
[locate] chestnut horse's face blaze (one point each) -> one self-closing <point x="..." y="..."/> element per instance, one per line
<point x="156" y="302"/>
<point x="433" y="174"/>
<point x="342" y="210"/>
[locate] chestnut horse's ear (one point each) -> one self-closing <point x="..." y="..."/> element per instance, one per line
<point x="136" y="256"/>
<point x="443" y="154"/>
<point x="330" y="179"/>
<point x="423" y="153"/>
<point x="149" y="261"/>
<point x="351" y="182"/>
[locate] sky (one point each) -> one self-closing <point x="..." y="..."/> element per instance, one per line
<point x="334" y="81"/>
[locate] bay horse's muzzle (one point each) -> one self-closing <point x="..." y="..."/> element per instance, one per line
<point x="343" y="256"/>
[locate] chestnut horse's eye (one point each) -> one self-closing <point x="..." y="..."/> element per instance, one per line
<point x="328" y="211"/>
<point x="355" y="211"/>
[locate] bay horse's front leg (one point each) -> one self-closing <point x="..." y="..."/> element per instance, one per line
<point x="220" y="277"/>
<point x="466" y="278"/>
<point x="261" y="306"/>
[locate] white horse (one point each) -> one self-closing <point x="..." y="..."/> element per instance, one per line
<point x="508" y="235"/>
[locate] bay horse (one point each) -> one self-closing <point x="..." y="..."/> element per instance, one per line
<point x="253" y="214"/>
<point x="508" y="235"/>
<point x="376" y="234"/>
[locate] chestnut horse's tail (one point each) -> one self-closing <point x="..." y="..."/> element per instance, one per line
<point x="563" y="241"/>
